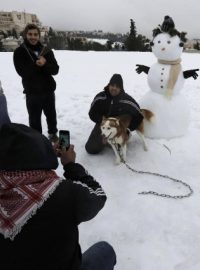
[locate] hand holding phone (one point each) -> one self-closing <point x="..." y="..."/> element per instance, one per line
<point x="64" y="139"/>
<point x="67" y="156"/>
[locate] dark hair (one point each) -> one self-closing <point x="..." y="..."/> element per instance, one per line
<point x="30" y="26"/>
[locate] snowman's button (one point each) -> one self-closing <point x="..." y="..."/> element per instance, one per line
<point x="161" y="80"/>
<point x="161" y="73"/>
<point x="163" y="68"/>
<point x="161" y="86"/>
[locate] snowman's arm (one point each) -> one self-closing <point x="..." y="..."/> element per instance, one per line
<point x="142" y="68"/>
<point x="190" y="73"/>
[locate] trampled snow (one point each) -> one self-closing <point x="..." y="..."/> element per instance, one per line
<point x="147" y="232"/>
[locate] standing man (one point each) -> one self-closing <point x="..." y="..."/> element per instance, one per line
<point x="36" y="64"/>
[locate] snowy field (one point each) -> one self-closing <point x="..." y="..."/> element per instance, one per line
<point x="147" y="232"/>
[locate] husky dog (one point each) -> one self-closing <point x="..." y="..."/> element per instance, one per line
<point x="115" y="131"/>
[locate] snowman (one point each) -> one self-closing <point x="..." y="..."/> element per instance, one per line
<point x="166" y="79"/>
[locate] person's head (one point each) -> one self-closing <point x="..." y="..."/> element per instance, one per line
<point x="115" y="85"/>
<point x="23" y="148"/>
<point x="32" y="34"/>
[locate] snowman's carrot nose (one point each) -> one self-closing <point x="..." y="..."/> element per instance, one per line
<point x="163" y="49"/>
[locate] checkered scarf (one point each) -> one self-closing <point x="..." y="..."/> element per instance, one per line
<point x="21" y="194"/>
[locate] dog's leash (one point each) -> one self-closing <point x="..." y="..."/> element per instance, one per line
<point x="158" y="175"/>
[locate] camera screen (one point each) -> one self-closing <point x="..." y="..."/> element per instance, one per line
<point x="64" y="140"/>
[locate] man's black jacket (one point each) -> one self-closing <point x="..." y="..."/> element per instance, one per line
<point x="106" y="105"/>
<point x="50" y="239"/>
<point x="36" y="80"/>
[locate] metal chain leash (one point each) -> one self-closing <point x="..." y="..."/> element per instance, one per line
<point x="158" y="175"/>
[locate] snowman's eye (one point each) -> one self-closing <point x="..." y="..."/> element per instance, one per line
<point x="168" y="41"/>
<point x="159" y="41"/>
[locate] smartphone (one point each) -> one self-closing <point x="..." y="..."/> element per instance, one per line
<point x="64" y="139"/>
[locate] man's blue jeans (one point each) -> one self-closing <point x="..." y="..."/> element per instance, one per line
<point x="100" y="256"/>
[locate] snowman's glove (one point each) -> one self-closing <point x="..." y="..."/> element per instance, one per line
<point x="141" y="68"/>
<point x="190" y="73"/>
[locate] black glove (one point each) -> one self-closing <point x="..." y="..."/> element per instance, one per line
<point x="190" y="73"/>
<point x="141" y="68"/>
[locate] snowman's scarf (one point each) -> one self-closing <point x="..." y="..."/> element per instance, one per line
<point x="173" y="74"/>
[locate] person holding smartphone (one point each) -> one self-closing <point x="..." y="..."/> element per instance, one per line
<point x="36" y="64"/>
<point x="40" y="211"/>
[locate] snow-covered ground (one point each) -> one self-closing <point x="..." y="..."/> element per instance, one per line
<point x="147" y="232"/>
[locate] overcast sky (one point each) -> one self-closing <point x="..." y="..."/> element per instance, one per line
<point x="111" y="15"/>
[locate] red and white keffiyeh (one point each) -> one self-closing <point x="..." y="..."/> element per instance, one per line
<point x="21" y="194"/>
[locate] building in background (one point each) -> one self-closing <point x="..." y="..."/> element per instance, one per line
<point x="17" y="20"/>
<point x="192" y="45"/>
<point x="13" y="23"/>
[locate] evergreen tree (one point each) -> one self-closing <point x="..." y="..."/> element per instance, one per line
<point x="75" y="44"/>
<point x="135" y="42"/>
<point x="9" y="33"/>
<point x="130" y="42"/>
<point x="4" y="34"/>
<point x="56" y="40"/>
<point x="98" y="47"/>
<point x="116" y="47"/>
<point x="1" y="47"/>
<point x="21" y="33"/>
<point x="51" y="32"/>
<point x="109" y="44"/>
<point x="133" y="31"/>
<point x="197" y="46"/>
<point x="14" y="33"/>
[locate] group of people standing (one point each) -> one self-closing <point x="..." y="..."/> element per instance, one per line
<point x="39" y="211"/>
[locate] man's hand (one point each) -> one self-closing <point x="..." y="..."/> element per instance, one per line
<point x="56" y="148"/>
<point x="41" y="61"/>
<point x="67" y="156"/>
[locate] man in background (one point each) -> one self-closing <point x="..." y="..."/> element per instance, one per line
<point x="36" y="64"/>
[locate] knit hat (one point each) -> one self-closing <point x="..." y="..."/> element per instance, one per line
<point x="167" y="24"/>
<point x="23" y="148"/>
<point x="117" y="79"/>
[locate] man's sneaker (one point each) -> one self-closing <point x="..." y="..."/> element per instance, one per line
<point x="53" y="138"/>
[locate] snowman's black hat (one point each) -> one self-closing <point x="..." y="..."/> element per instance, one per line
<point x="168" y="26"/>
